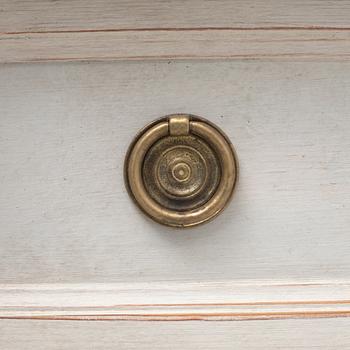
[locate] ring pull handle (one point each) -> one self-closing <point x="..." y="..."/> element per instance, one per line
<point x="181" y="170"/>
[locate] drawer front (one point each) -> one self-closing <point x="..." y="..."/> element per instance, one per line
<point x="79" y="80"/>
<point x="65" y="129"/>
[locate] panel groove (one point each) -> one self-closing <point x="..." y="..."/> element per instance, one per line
<point x="175" y="301"/>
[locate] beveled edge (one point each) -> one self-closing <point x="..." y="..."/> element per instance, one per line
<point x="134" y="182"/>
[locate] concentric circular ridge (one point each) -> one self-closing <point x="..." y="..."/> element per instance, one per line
<point x="184" y="176"/>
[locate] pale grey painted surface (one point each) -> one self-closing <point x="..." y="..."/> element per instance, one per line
<point x="193" y="43"/>
<point x="66" y="217"/>
<point x="282" y="247"/>
<point x="45" y="15"/>
<point x="325" y="334"/>
<point x="45" y="30"/>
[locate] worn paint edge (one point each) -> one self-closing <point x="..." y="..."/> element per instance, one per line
<point x="175" y="301"/>
<point x="190" y="43"/>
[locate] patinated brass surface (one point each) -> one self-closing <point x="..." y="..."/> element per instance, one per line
<point x="181" y="170"/>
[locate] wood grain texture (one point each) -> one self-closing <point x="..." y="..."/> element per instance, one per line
<point x="168" y="301"/>
<point x="64" y="211"/>
<point x="178" y="44"/>
<point x="325" y="334"/>
<point x="115" y="30"/>
<point x="44" y="15"/>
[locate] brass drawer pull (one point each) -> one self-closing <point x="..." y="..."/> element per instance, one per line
<point x="181" y="170"/>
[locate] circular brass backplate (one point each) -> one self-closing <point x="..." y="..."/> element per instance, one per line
<point x="181" y="170"/>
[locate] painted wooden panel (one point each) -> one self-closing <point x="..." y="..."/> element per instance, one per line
<point x="330" y="334"/>
<point x="66" y="217"/>
<point x="271" y="272"/>
<point x="176" y="301"/>
<point x="281" y="45"/>
<point x="113" y="30"/>
<point x="45" y="15"/>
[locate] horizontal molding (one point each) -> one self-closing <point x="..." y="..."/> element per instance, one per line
<point x="175" y="301"/>
<point x="48" y="15"/>
<point x="43" y="30"/>
<point x="168" y="44"/>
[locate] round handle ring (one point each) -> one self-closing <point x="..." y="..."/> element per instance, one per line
<point x="135" y="184"/>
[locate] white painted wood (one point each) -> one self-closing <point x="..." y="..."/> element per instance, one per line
<point x="179" y="44"/>
<point x="114" y="30"/>
<point x="325" y="334"/>
<point x="45" y="15"/>
<point x="66" y="217"/>
<point x="72" y="245"/>
<point x="175" y="301"/>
